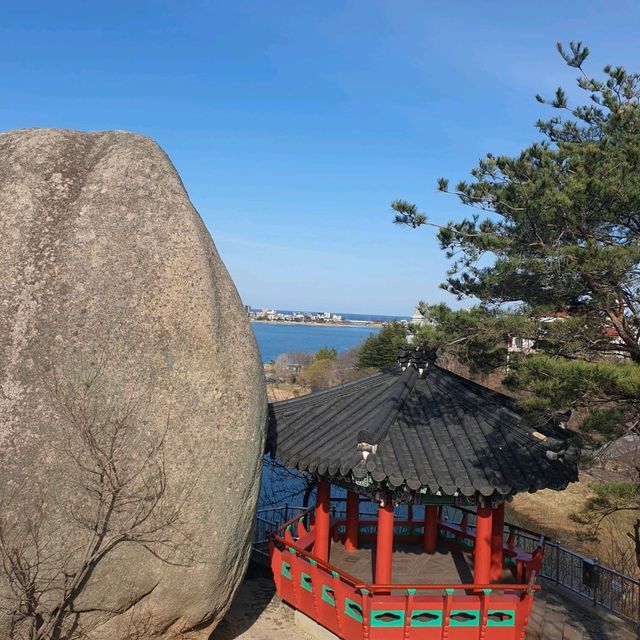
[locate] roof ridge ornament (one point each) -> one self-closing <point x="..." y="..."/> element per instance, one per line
<point x="419" y="358"/>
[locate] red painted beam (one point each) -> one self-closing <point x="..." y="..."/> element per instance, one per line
<point x="353" y="526"/>
<point x="384" y="543"/>
<point x="497" y="540"/>
<point x="322" y="524"/>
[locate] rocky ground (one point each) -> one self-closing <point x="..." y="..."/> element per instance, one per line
<point x="257" y="614"/>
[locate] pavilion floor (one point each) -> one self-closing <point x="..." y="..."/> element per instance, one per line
<point x="410" y="564"/>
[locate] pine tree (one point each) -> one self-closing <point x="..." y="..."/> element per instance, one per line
<point x="562" y="218"/>
<point x="381" y="350"/>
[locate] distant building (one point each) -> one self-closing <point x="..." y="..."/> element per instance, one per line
<point x="293" y="367"/>
<point x="419" y="318"/>
<point x="518" y="344"/>
<point x="296" y="316"/>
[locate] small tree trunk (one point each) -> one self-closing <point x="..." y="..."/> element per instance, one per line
<point x="630" y="340"/>
<point x="307" y="494"/>
<point x="635" y="536"/>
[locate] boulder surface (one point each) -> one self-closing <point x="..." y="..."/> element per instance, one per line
<point x="132" y="400"/>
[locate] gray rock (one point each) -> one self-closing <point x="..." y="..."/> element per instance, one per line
<point x="132" y="400"/>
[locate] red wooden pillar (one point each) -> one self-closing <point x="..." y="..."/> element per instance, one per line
<point x="497" y="540"/>
<point x="353" y="526"/>
<point x="482" y="556"/>
<point x="323" y="500"/>
<point x="430" y="541"/>
<point x="384" y="543"/>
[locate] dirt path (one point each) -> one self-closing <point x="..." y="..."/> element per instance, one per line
<point x="256" y="614"/>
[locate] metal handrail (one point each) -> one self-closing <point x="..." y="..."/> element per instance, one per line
<point x="534" y="534"/>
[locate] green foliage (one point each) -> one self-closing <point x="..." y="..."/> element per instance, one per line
<point x="407" y="214"/>
<point x="320" y="374"/>
<point x="478" y="336"/>
<point x="608" y="391"/>
<point x="557" y="227"/>
<point x="554" y="236"/>
<point x="576" y="336"/>
<point x="558" y="383"/>
<point x="603" y="425"/>
<point x="327" y="368"/>
<point x="327" y="353"/>
<point x="475" y="336"/>
<point x="607" y="492"/>
<point x="380" y="350"/>
<point x="559" y="221"/>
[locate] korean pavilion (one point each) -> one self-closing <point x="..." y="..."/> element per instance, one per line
<point x="418" y="547"/>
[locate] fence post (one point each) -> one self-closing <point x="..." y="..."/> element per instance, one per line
<point x="557" y="561"/>
<point x="596" y="581"/>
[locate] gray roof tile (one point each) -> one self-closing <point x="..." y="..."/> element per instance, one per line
<point x="437" y="432"/>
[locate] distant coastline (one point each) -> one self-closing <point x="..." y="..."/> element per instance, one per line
<point x="320" y="318"/>
<point x="344" y="323"/>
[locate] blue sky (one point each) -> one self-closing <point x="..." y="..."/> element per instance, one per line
<point x="294" y="124"/>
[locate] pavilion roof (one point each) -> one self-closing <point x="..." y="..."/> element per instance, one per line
<point x="427" y="430"/>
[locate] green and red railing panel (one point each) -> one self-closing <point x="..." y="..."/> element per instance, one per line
<point x="359" y="611"/>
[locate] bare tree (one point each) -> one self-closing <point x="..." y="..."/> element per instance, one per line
<point x="113" y="492"/>
<point x="282" y="485"/>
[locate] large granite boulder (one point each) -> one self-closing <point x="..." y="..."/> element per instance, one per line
<point x="132" y="401"/>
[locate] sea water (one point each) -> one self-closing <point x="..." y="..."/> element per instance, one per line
<point x="276" y="338"/>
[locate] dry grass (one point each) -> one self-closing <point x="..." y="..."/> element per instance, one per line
<point x="278" y="391"/>
<point x="550" y="512"/>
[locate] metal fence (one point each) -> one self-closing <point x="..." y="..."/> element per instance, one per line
<point x="269" y="519"/>
<point x="589" y="579"/>
<point x="585" y="576"/>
